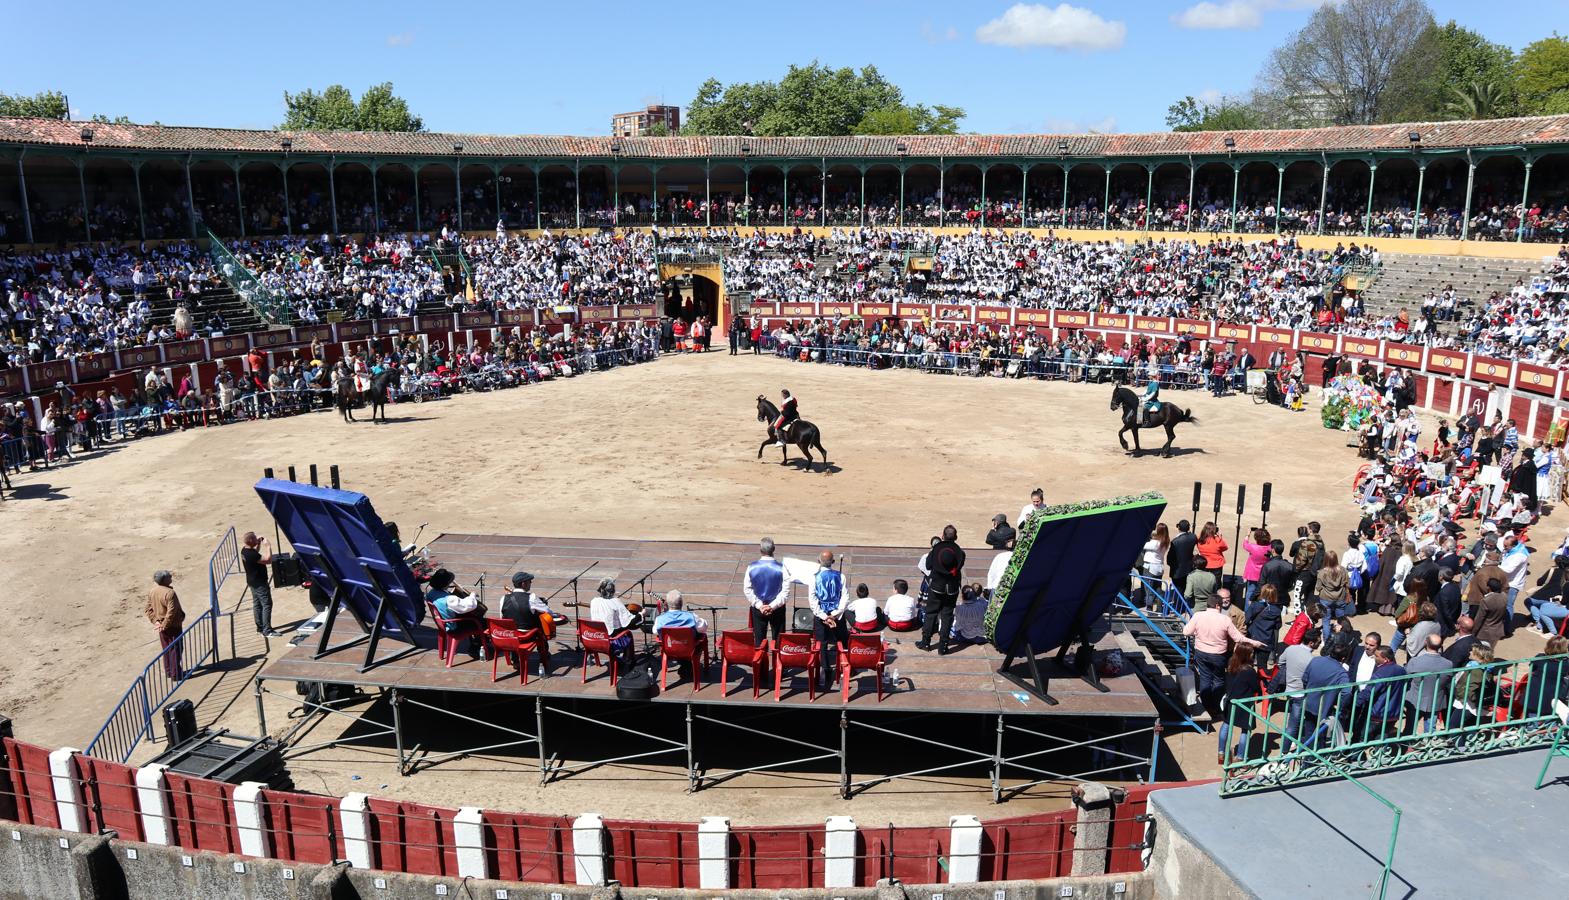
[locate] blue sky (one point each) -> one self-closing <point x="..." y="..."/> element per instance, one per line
<point x="564" y="68"/>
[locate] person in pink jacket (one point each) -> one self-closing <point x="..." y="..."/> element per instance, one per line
<point x="1257" y="550"/>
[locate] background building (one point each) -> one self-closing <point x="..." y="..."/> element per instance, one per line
<point x="637" y="123"/>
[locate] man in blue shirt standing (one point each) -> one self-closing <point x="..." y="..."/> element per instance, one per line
<point x="828" y="612"/>
<point x="765" y="594"/>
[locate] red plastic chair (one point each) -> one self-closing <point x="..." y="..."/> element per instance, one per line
<point x="594" y="640"/>
<point x="796" y="650"/>
<point x="447" y="641"/>
<point x="737" y="647"/>
<point x="683" y="645"/>
<point x="865" y="652"/>
<point x="504" y="638"/>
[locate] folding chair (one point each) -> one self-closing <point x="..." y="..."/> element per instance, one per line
<point x="864" y="652"/>
<point x="683" y="645"/>
<point x="796" y="650"/>
<point x="738" y="647"/>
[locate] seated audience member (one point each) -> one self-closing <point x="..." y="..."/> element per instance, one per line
<point x="999" y="565"/>
<point x="969" y="617"/>
<point x="863" y="609"/>
<point x="460" y="608"/>
<point x="901" y="610"/>
<point x="607" y="609"/>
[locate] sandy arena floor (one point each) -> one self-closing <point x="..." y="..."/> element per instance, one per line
<point x="660" y="451"/>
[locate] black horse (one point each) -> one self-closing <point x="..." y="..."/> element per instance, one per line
<point x="375" y="396"/>
<point x="1167" y="417"/>
<point x="802" y="433"/>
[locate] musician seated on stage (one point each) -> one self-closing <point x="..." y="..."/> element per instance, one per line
<point x="677" y="616"/>
<point x="867" y="617"/>
<point x="619" y="621"/>
<point x="528" y="612"/>
<point x="459" y="608"/>
<point x="901" y="611"/>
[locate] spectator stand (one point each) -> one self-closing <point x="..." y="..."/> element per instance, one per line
<point x="721" y="732"/>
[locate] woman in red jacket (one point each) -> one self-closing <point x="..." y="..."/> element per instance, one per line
<point x="1212" y="548"/>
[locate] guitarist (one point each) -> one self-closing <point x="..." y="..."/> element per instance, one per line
<point x="527" y="611"/>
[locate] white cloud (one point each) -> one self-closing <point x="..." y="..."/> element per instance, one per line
<point x="1210" y="96"/>
<point x="933" y="35"/>
<point x="400" y="40"/>
<point x="1063" y="27"/>
<point x="1055" y="125"/>
<point x="1236" y="14"/>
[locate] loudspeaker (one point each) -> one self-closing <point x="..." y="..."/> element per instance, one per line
<point x="179" y="722"/>
<point x="802" y="620"/>
<point x="287" y="570"/>
<point x="1267" y="487"/>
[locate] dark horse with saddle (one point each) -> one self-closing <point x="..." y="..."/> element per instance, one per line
<point x="799" y="432"/>
<point x="1135" y="416"/>
<point x="376" y="395"/>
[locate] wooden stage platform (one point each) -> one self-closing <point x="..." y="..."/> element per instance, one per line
<point x="952" y="712"/>
<point x="707" y="574"/>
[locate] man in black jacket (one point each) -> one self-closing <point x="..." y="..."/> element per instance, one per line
<point x="946" y="561"/>
<point x="1179" y="556"/>
<point x="523" y="607"/>
<point x="1001" y="532"/>
<point x="1459" y="651"/>
<point x="1448" y="602"/>
<point x="1278" y="571"/>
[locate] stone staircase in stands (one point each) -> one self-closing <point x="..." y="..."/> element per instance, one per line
<point x="1406" y="278"/>
<point x="239" y="315"/>
<point x="1148" y="646"/>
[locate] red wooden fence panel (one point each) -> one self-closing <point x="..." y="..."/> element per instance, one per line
<point x="201" y="812"/>
<point x="303" y="827"/>
<point x="111" y="797"/>
<point x="653" y="854"/>
<point x="778" y="857"/>
<point x="29" y="768"/>
<point x="524" y="847"/>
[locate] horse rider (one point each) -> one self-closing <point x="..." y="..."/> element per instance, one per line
<point x="1150" y="402"/>
<point x="787" y="414"/>
<point x="361" y="373"/>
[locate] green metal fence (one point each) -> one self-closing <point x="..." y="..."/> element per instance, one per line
<point x="1380" y="725"/>
<point x="269" y="306"/>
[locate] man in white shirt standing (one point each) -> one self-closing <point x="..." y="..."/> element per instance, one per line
<point x="1516" y="560"/>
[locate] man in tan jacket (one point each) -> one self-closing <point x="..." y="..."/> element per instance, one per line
<point x="163" y="610"/>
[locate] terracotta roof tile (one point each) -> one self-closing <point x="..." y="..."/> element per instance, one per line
<point x="1538" y="130"/>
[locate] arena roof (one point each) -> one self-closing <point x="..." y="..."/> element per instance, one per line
<point x="1522" y="132"/>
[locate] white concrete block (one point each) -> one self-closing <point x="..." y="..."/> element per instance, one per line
<point x="250" y="820"/>
<point x="67" y="789"/>
<point x="354" y="822"/>
<point x="713" y="853"/>
<point x="839" y="870"/>
<point x="964" y="849"/>
<point x="152" y="804"/>
<point x="588" y="848"/>
<point x="468" y="833"/>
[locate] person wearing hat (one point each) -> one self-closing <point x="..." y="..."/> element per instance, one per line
<point x="1001" y="532"/>
<point x="460" y="609"/>
<point x="946" y="561"/>
<point x="527" y="612"/>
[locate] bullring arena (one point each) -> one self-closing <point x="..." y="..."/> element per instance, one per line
<point x="1101" y="778"/>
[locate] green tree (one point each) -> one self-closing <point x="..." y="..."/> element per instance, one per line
<point x="42" y="105"/>
<point x="1542" y="77"/>
<point x="335" y="109"/>
<point x="658" y="129"/>
<point x="814" y="100"/>
<point x="102" y="119"/>
<point x="1477" y="100"/>
<point x="1228" y="114"/>
<point x="1446" y="63"/>
<point x="1339" y="68"/>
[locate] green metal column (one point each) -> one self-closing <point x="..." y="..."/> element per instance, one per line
<point x="288" y="213"/>
<point x="1323" y="193"/>
<point x="495" y="180"/>
<point x="1149" y="194"/>
<point x="822" y="182"/>
<point x="983" y="195"/>
<point x="615" y="195"/>
<point x="1024" y="196"/>
<point x="141" y="216"/>
<point x="1372" y="176"/>
<point x="1525" y="196"/>
<point x="901" y="194"/>
<point x="1062" y="214"/>
<point x="655" y="176"/>
<point x="87" y="216"/>
<point x="375" y="199"/>
<point x="577" y="192"/>
<point x="1280" y="191"/>
<point x="1193" y="172"/>
<point x="942" y="191"/>
<point x="1105" y="208"/>
<point x="1416" y="216"/>
<point x="239" y="199"/>
<point x="21" y="181"/>
<point x="332" y="191"/>
<point x="190" y="198"/>
<point x="1236" y="177"/>
<point x="418" y="219"/>
<point x="1470" y="181"/>
<point x="746" y="193"/>
<point x="457" y="175"/>
<point x="539" y="214"/>
<point x="863" y="198"/>
<point x="786" y="219"/>
<point x="708" y="192"/>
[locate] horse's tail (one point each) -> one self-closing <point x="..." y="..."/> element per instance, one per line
<point x="1188" y="416"/>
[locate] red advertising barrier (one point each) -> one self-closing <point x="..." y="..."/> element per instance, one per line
<point x="1233" y="332"/>
<point x="1193" y="327"/>
<point x="304" y="334"/>
<point x="994" y="315"/>
<point x="186" y="351"/>
<point x="1317" y="343"/>
<point x="1492" y="371"/>
<point x="44" y="375"/>
<point x="1112" y="320"/>
<point x="914" y="311"/>
<point x="875" y="310"/>
<point x="1152" y="323"/>
<point x="11" y="382"/>
<point x="1039" y="317"/>
<point x="1405" y="355"/>
<point x="398" y="325"/>
<point x="597" y="313"/>
<point x="793" y="310"/>
<point x="638" y="311"/>
<point x="836" y="309"/>
<point x="1536" y="379"/>
<point x="272" y="338"/>
<point x="227" y="345"/>
<point x="484" y="319"/>
<point x="511" y="317"/>
<point x="1278" y="337"/>
<point x="93" y="366"/>
<point x="1359" y="347"/>
<point x="956" y="313"/>
<point x="1071" y="319"/>
<point x="349" y="331"/>
<point x="1449" y="362"/>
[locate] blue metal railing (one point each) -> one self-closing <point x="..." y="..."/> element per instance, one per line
<point x="132" y="718"/>
<point x="1172" y="603"/>
<point x="1180" y="647"/>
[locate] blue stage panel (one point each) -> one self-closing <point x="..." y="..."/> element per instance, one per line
<point x="1069" y="563"/>
<point x="342" y="542"/>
